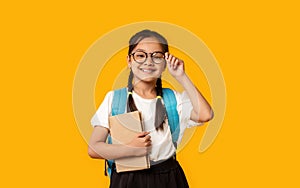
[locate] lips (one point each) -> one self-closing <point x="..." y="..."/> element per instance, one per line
<point x="147" y="70"/>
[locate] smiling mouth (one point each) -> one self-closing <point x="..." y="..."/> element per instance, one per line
<point x="147" y="70"/>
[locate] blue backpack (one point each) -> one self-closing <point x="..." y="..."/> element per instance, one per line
<point x="119" y="107"/>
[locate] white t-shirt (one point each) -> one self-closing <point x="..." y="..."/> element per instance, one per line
<point x="162" y="145"/>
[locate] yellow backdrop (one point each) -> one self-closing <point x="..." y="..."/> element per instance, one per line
<point x="256" y="46"/>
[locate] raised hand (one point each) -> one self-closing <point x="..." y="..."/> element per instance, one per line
<point x="175" y="65"/>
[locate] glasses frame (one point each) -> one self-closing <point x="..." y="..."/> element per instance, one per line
<point x="151" y="55"/>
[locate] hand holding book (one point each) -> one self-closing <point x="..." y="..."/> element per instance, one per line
<point x="127" y="129"/>
<point x="141" y="144"/>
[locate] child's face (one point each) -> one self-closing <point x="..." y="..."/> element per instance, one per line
<point x="147" y="71"/>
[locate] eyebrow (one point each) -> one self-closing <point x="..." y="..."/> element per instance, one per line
<point x="140" y="50"/>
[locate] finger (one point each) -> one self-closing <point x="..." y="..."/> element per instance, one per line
<point x="176" y="63"/>
<point x="173" y="60"/>
<point x="169" y="57"/>
<point x="169" y="60"/>
<point x="146" y="133"/>
<point x="166" y="55"/>
<point x="149" y="143"/>
<point x="147" y="138"/>
<point x="142" y="134"/>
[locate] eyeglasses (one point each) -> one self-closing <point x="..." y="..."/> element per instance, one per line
<point x="141" y="57"/>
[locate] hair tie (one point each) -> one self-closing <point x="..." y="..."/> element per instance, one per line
<point x="129" y="93"/>
<point x="158" y="97"/>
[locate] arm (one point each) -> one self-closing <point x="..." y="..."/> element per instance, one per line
<point x="98" y="148"/>
<point x="202" y="111"/>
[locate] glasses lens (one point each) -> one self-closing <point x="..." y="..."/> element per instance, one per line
<point x="158" y="57"/>
<point x="140" y="57"/>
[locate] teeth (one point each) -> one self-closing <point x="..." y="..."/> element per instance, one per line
<point x="144" y="70"/>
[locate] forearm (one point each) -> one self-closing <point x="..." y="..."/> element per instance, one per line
<point x="202" y="111"/>
<point x="99" y="149"/>
<point x="102" y="150"/>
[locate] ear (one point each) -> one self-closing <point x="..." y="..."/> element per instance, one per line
<point x="129" y="61"/>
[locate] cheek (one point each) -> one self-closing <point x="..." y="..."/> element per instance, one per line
<point x="134" y="66"/>
<point x="135" y="69"/>
<point x="162" y="68"/>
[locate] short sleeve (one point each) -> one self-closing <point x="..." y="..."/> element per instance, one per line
<point x="102" y="114"/>
<point x="184" y="108"/>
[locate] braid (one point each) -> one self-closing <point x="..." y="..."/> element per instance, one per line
<point x="130" y="103"/>
<point x="130" y="78"/>
<point x="159" y="87"/>
<point x="160" y="111"/>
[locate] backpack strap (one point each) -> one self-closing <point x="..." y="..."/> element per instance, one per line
<point x="118" y="107"/>
<point x="119" y="101"/>
<point x="172" y="113"/>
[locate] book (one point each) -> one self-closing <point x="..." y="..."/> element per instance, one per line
<point x="123" y="128"/>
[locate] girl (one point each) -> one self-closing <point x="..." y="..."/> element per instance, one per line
<point x="148" y="56"/>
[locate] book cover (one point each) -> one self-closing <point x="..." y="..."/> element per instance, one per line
<point x="123" y="128"/>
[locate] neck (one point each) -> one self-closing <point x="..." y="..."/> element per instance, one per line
<point x="145" y="89"/>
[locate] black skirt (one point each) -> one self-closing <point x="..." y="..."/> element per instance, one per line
<point x="167" y="174"/>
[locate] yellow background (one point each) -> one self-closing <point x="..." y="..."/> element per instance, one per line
<point x="256" y="44"/>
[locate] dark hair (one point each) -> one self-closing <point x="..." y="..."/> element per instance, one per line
<point x="160" y="111"/>
<point x="136" y="39"/>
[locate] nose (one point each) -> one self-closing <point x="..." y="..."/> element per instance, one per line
<point x="149" y="61"/>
